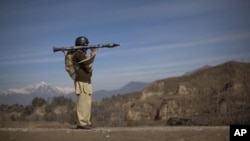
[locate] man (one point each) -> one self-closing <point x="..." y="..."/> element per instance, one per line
<point x="83" y="86"/>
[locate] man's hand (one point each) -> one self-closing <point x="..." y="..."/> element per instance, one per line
<point x="93" y="51"/>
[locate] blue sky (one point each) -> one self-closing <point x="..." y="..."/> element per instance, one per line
<point x="160" y="39"/>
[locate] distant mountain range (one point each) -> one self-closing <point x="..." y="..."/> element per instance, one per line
<point x="39" y="88"/>
<point x="128" y="88"/>
<point x="25" y="95"/>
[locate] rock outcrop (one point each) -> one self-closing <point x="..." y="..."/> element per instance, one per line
<point x="216" y="95"/>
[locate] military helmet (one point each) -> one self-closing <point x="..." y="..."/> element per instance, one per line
<point x="81" y="40"/>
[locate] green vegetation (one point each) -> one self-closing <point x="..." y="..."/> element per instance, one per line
<point x="59" y="109"/>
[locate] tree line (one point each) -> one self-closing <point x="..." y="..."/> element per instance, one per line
<point x="56" y="109"/>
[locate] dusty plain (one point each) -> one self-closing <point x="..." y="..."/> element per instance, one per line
<point x="147" y="133"/>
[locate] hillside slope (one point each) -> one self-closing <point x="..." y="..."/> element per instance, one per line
<point x="217" y="95"/>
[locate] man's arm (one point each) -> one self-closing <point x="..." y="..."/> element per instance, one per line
<point x="84" y="60"/>
<point x="93" y="51"/>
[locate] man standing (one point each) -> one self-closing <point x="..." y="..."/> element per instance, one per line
<point x="83" y="86"/>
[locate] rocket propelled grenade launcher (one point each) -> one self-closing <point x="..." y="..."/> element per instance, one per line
<point x="109" y="45"/>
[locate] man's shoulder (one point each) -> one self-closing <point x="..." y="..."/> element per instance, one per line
<point x="79" y="55"/>
<point x="79" y="52"/>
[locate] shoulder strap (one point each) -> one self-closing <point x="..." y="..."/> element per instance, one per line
<point x="84" y="60"/>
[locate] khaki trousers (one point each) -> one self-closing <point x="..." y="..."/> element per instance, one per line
<point x="84" y="99"/>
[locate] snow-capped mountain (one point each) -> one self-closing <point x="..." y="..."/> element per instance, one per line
<point x="37" y="88"/>
<point x="26" y="94"/>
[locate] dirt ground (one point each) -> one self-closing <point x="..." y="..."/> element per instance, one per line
<point x="174" y="133"/>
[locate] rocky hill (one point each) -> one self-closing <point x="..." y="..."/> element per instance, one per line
<point x="217" y="95"/>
